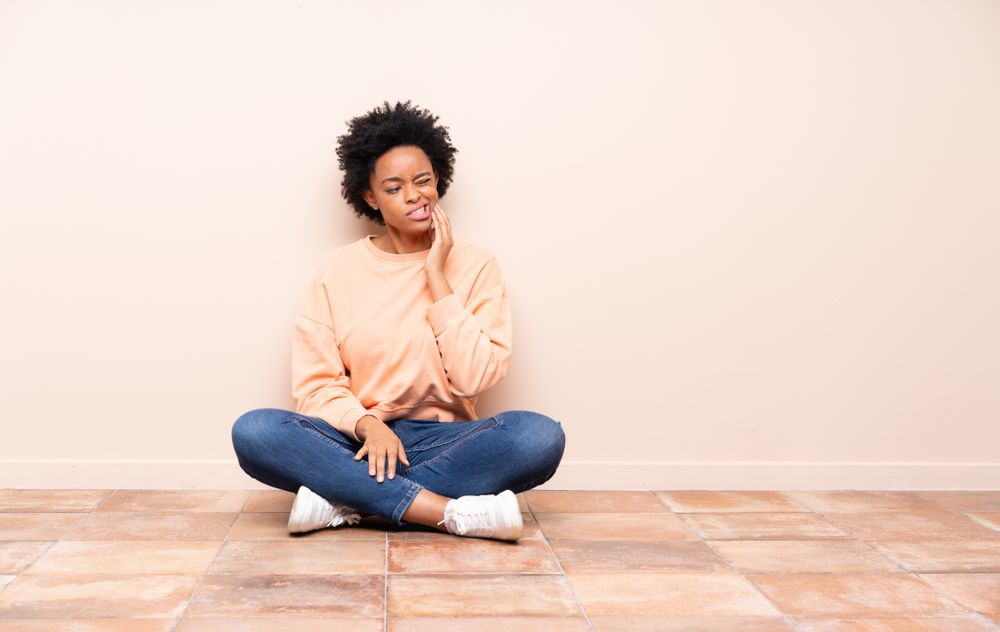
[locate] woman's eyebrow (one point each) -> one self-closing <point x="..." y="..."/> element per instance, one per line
<point x="425" y="173"/>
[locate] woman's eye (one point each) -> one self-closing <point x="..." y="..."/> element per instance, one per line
<point x="422" y="183"/>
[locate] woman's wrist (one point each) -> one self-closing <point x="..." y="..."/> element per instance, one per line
<point x="438" y="285"/>
<point x="361" y="428"/>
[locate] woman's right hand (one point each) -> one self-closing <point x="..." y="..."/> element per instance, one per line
<point x="381" y="445"/>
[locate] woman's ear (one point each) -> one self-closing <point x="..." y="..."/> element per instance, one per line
<point x="370" y="198"/>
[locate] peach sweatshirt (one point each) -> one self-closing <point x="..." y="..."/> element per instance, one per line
<point x="368" y="339"/>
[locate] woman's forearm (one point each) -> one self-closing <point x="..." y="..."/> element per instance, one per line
<point x="438" y="285"/>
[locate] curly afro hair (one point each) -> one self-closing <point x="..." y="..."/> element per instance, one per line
<point x="384" y="128"/>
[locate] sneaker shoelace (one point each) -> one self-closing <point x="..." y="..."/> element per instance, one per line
<point x="344" y="514"/>
<point x="475" y="518"/>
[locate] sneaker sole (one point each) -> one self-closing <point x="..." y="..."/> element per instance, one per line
<point x="512" y="513"/>
<point x="302" y="518"/>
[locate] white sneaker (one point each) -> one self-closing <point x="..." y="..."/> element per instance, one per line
<point x="310" y="511"/>
<point x="488" y="515"/>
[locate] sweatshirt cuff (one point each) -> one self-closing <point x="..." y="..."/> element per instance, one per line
<point x="350" y="420"/>
<point x="440" y="312"/>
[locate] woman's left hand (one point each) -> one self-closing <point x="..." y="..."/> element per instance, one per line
<point x="442" y="241"/>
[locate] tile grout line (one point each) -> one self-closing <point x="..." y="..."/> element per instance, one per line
<point x="785" y="616"/>
<point x="103" y="500"/>
<point x="915" y="574"/>
<point x="899" y="565"/>
<point x="55" y="541"/>
<point x="385" y="585"/>
<point x="201" y="580"/>
<point x="562" y="572"/>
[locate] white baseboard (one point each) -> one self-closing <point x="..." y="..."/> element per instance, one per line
<point x="572" y="474"/>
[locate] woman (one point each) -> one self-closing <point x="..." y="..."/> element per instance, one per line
<point x="398" y="335"/>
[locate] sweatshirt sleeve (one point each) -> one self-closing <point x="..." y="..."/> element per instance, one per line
<point x="320" y="385"/>
<point x="475" y="339"/>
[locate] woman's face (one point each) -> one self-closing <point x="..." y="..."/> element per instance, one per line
<point x="404" y="180"/>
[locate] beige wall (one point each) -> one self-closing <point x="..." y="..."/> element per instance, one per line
<point x="748" y="244"/>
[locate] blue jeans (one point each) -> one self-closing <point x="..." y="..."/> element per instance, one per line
<point x="515" y="449"/>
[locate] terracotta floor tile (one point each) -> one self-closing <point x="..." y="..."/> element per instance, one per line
<point x="274" y="526"/>
<point x="420" y="532"/>
<point x="861" y="501"/>
<point x="88" y="560"/>
<point x="280" y="624"/>
<point x="51" y="500"/>
<point x="487" y="624"/>
<point x="113" y="525"/>
<point x="269" y="500"/>
<point x="690" y="624"/>
<point x="668" y="594"/>
<point x="17" y="556"/>
<point x="617" y="556"/>
<point x="989" y="519"/>
<point x="470" y="555"/>
<point x="966" y="501"/>
<point x="295" y="557"/>
<point x="762" y="526"/>
<point x="728" y="501"/>
<point x="37" y="526"/>
<point x="86" y="625"/>
<point x="979" y="591"/>
<point x="133" y="557"/>
<point x="614" y="526"/>
<point x="480" y="595"/>
<point x="825" y="595"/>
<point x="943" y="556"/>
<point x="937" y="524"/>
<point x="352" y="595"/>
<point x="955" y="623"/>
<point x="168" y="500"/>
<point x="96" y="596"/>
<point x="566" y="501"/>
<point x="804" y="556"/>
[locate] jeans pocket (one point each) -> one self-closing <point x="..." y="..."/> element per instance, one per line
<point x="445" y="433"/>
<point x="326" y="431"/>
<point x="452" y="442"/>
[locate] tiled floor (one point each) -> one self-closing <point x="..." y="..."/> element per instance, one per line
<point x="192" y="561"/>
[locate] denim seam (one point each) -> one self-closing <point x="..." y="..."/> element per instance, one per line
<point x="538" y="481"/>
<point x="263" y="479"/>
<point x="413" y="486"/>
<point x="454" y="444"/>
<point x="453" y="440"/>
<point x="309" y="426"/>
<point x="411" y="493"/>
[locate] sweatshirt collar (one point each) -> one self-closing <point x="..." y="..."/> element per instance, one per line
<point x="382" y="255"/>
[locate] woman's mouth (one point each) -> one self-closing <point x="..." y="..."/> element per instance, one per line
<point x="420" y="214"/>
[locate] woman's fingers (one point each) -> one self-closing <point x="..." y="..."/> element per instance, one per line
<point x="379" y="463"/>
<point x="383" y="460"/>
<point x="392" y="464"/>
